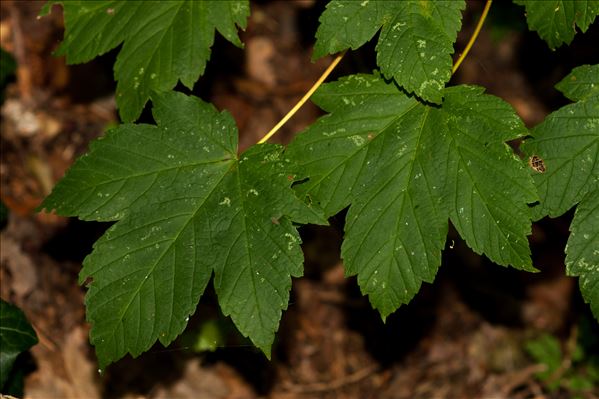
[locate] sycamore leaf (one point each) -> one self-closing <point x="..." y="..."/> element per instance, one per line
<point x="405" y="168"/>
<point x="556" y="20"/>
<point x="163" y="41"/>
<point x="188" y="206"/>
<point x="582" y="251"/>
<point x="568" y="143"/>
<point x="16" y="336"/>
<point x="347" y="24"/>
<point x="581" y="83"/>
<point x="415" y="43"/>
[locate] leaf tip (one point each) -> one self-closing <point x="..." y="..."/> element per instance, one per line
<point x="384" y="313"/>
<point x="267" y="351"/>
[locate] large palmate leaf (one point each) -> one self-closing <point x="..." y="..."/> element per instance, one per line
<point x="405" y="168"/>
<point x="163" y="41"/>
<point x="556" y="20"/>
<point x="188" y="206"/>
<point x="568" y="142"/>
<point x="415" y="43"/>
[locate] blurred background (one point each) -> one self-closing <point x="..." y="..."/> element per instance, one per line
<point x="479" y="331"/>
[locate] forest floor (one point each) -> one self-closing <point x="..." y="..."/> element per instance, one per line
<point x="464" y="336"/>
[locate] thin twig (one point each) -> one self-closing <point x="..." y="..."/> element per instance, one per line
<point x="334" y="384"/>
<point x="566" y="362"/>
<point x="481" y="21"/>
<point x="517" y="378"/>
<point x="304" y="99"/>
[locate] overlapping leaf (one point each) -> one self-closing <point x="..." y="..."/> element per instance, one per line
<point x="581" y="83"/>
<point x="582" y="252"/>
<point x="568" y="142"/>
<point x="415" y="43"/>
<point x="405" y="167"/>
<point x="556" y="20"/>
<point x="187" y="207"/>
<point x="163" y="41"/>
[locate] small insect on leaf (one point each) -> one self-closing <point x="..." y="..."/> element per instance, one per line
<point x="537" y="163"/>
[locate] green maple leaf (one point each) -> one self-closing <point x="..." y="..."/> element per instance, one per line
<point x="568" y="142"/>
<point x="163" y="41"/>
<point x="16" y="336"/>
<point x="415" y="43"/>
<point x="405" y="168"/>
<point x="582" y="251"/>
<point x="187" y="207"/>
<point x="581" y="83"/>
<point x="556" y="20"/>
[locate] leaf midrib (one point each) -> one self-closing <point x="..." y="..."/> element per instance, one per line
<point x="167" y="248"/>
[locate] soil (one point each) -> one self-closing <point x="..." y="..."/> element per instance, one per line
<point x="461" y="337"/>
